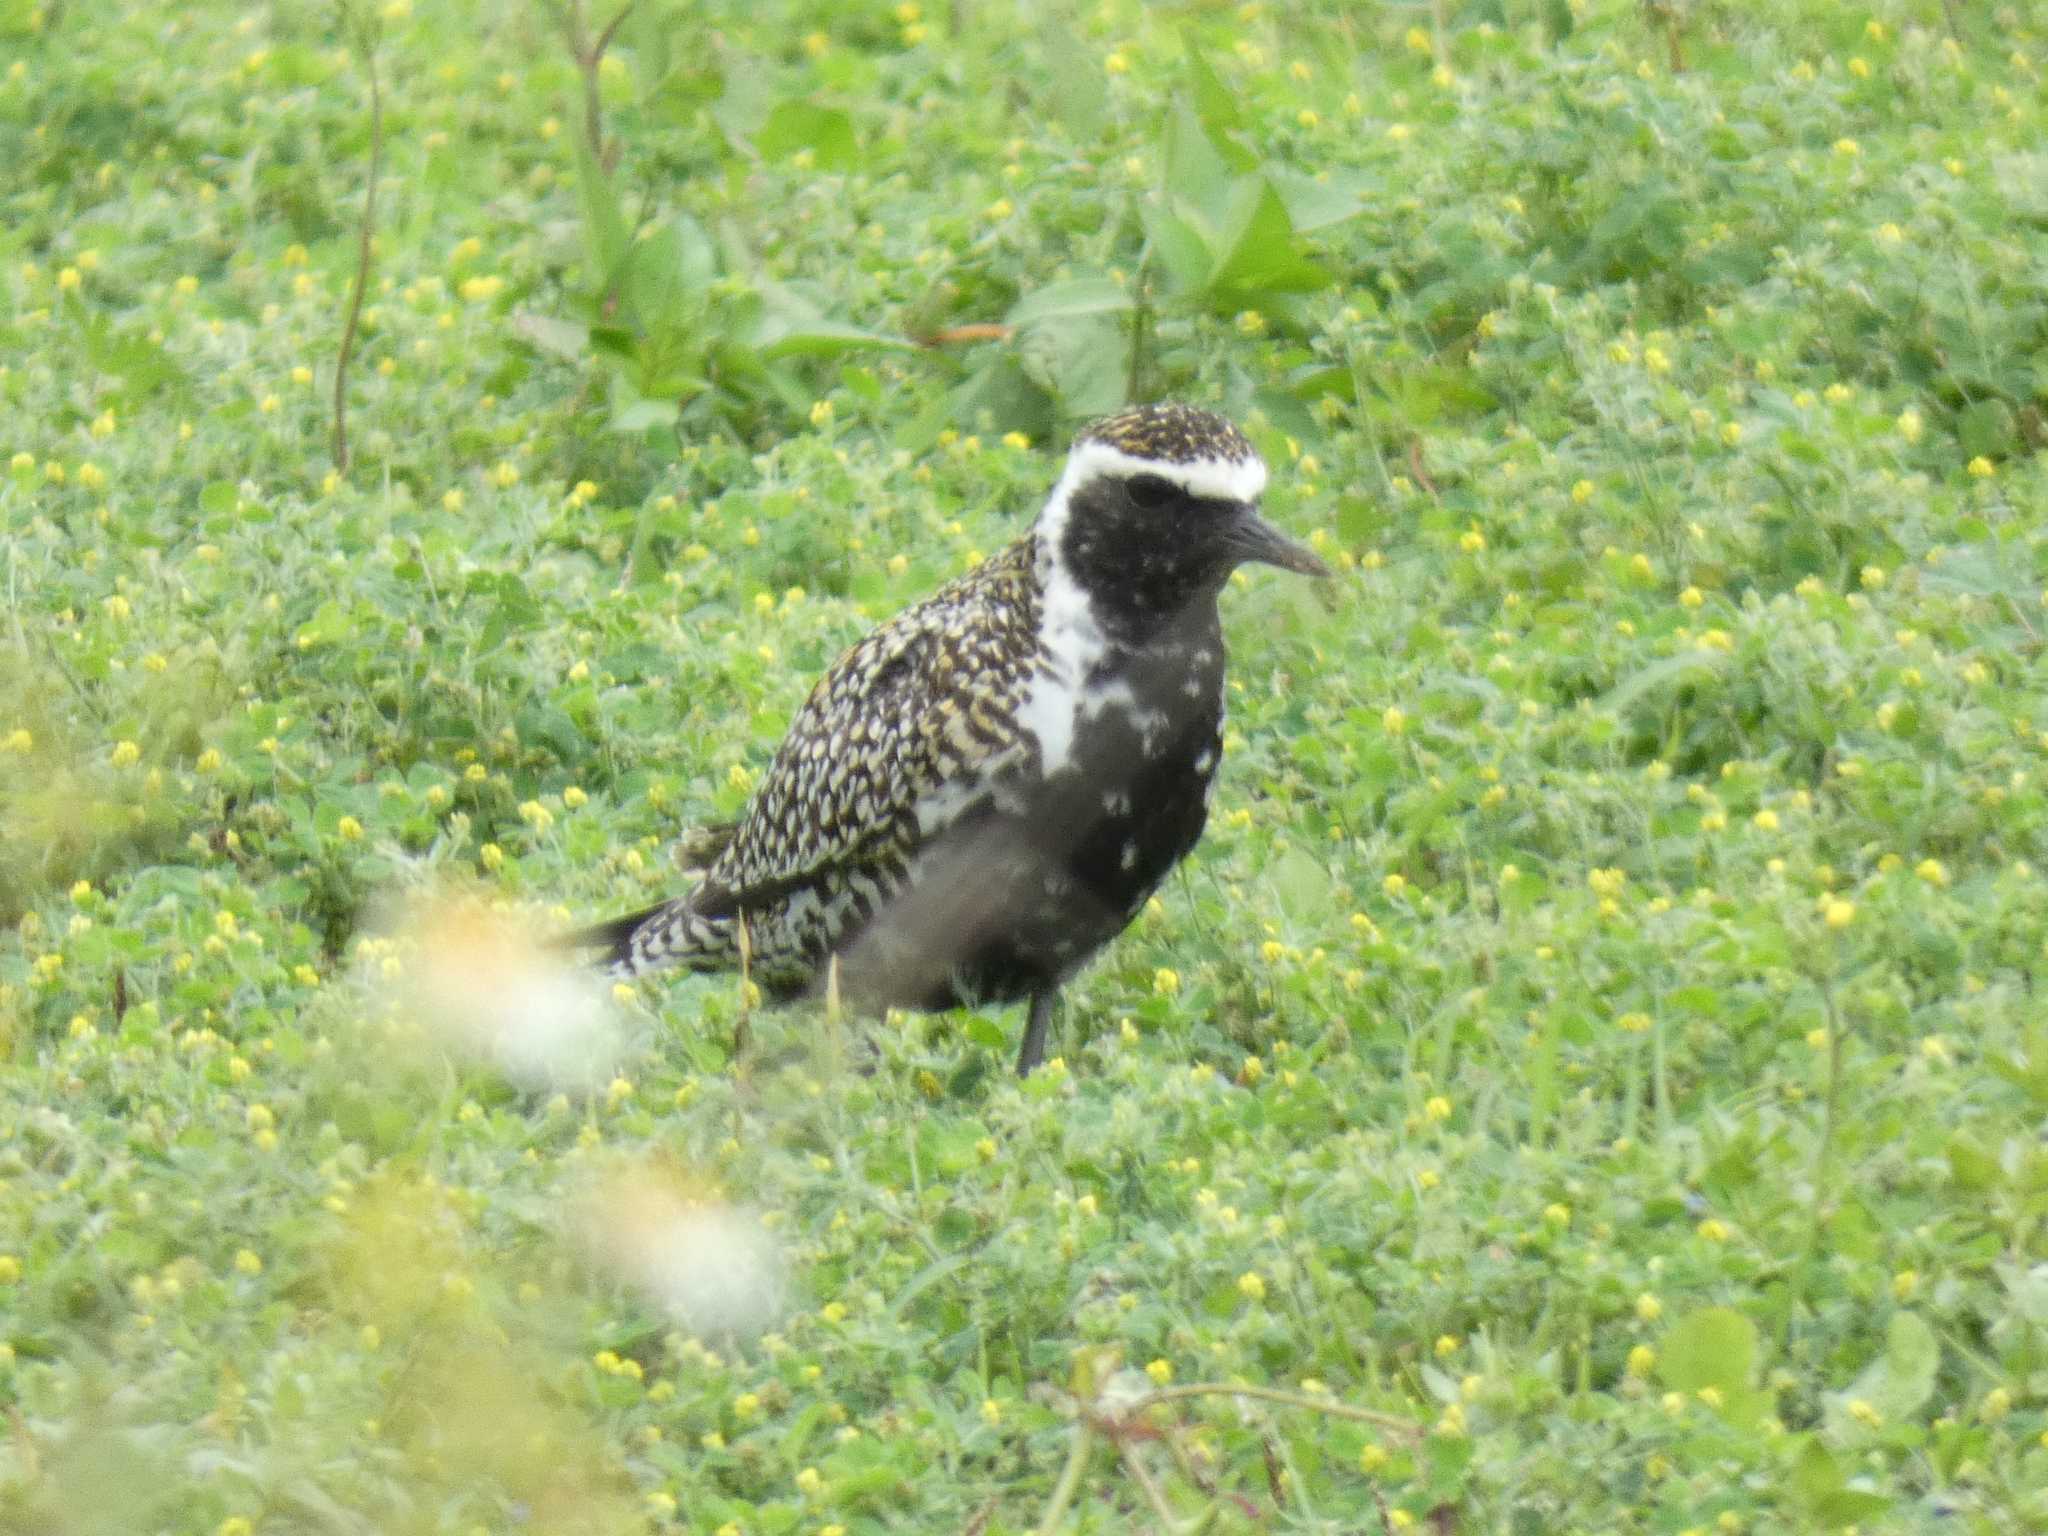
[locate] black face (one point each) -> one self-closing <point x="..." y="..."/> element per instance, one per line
<point x="1145" y="549"/>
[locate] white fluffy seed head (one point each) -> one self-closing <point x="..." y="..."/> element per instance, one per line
<point x="482" y="986"/>
<point x="713" y="1267"/>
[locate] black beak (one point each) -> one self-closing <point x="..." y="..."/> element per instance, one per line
<point x="1252" y="538"/>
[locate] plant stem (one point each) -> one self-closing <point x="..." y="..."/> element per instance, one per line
<point x="366" y="41"/>
<point x="1070" y="1480"/>
<point x="1271" y="1395"/>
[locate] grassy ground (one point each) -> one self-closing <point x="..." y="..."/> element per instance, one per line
<point x="1599" y="1032"/>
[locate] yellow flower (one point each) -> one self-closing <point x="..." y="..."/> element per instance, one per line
<point x="1712" y="1230"/>
<point x="1393" y="721"/>
<point x="821" y="413"/>
<point x="1165" y="981"/>
<point x="809" y="1482"/>
<point x="1765" y="821"/>
<point x="1447" y="1345"/>
<point x="1838" y="912"/>
<point x="349" y="829"/>
<point x="1251" y="1286"/>
<point x="1910" y="425"/>
<point x="991" y="1412"/>
<point x="504" y="474"/>
<point x="10" y="1269"/>
<point x="248" y="1262"/>
<point x="234" y="1525"/>
<point x="1117" y="63"/>
<point x="1847" y="148"/>
<point x="126" y="754"/>
<point x="1905" y="1284"/>
<point x="1161" y="1371"/>
<point x="1472" y="541"/>
<point x="1437" y="1108"/>
<point x="1933" y="871"/>
<point x="1982" y="467"/>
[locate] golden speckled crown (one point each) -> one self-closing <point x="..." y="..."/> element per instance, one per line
<point x="1172" y="434"/>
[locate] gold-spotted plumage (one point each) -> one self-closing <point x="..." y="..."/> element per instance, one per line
<point x="983" y="791"/>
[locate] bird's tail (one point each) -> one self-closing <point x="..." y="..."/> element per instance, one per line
<point x="657" y="938"/>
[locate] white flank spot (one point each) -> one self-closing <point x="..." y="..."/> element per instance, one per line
<point x="1073" y="643"/>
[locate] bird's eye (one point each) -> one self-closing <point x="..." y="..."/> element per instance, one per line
<point x="1150" y="491"/>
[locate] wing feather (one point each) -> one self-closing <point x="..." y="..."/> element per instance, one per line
<point x="902" y="735"/>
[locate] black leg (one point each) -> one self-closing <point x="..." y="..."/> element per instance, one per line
<point x="1032" y="1052"/>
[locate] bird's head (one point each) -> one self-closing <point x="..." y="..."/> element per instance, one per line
<point x="1158" y="505"/>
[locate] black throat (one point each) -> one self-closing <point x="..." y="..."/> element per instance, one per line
<point x="1145" y="570"/>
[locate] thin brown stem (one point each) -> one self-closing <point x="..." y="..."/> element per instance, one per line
<point x="589" y="57"/>
<point x="366" y="42"/>
<point x="1149" y="1486"/>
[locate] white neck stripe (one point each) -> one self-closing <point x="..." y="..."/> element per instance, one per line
<point x="1210" y="479"/>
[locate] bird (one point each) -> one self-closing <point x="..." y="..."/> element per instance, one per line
<point x="984" y="791"/>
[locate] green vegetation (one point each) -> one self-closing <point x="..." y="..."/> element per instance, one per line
<point x="1600" y="1033"/>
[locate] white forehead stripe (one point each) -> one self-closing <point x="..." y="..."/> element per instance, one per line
<point x="1211" y="479"/>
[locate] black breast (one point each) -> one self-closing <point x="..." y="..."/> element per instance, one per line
<point x="1078" y="854"/>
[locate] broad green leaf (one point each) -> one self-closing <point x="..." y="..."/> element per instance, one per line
<point x="1713" y="1347"/>
<point x="795" y="125"/>
<point x="1081" y="296"/>
<point x="1258" y="247"/>
<point x="1317" y="202"/>
<point x="1084" y="360"/>
<point x="1182" y="249"/>
<point x="1077" y="93"/>
<point x="1901" y="1378"/>
<point x="561" y="338"/>
<point x="1196" y="173"/>
<point x="640" y="415"/>
<point x="604" y="222"/>
<point x="1215" y="104"/>
<point x="1989" y="428"/>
